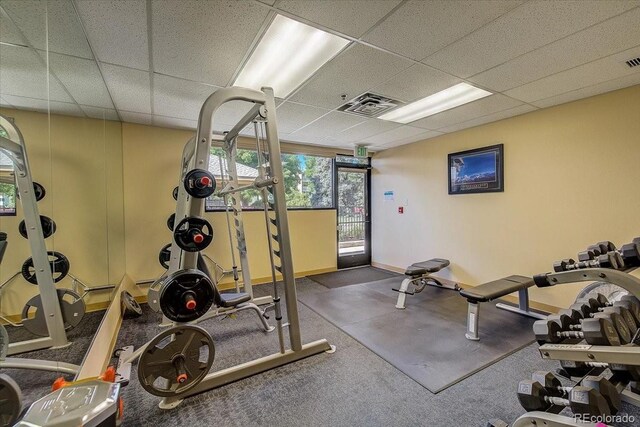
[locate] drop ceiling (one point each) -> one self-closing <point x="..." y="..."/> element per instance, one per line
<point x="154" y="62"/>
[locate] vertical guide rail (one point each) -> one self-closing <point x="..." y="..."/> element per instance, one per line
<point x="231" y="151"/>
<point x="14" y="148"/>
<point x="234" y="266"/>
<point x="282" y="221"/>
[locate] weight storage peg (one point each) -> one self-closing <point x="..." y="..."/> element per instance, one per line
<point x="200" y="183"/>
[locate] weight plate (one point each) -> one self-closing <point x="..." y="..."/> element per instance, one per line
<point x="193" y="234"/>
<point x="612" y="292"/>
<point x="38" y="191"/>
<point x="175" y="193"/>
<point x="171" y="221"/>
<point x="71" y="305"/>
<point x="176" y="360"/>
<point x="165" y="256"/>
<point x="48" y="227"/>
<point x="186" y="295"/>
<point x="129" y="305"/>
<point x="59" y="268"/>
<point x="200" y="183"/>
<point x="10" y="401"/>
<point x="4" y="342"/>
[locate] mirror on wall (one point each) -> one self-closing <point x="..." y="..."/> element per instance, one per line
<point x="73" y="140"/>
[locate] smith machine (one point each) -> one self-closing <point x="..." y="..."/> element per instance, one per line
<point x="176" y="363"/>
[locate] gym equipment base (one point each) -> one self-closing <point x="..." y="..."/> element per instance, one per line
<point x="245" y="370"/>
<point x="228" y="375"/>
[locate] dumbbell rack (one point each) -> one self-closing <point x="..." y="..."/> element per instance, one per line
<point x="624" y="355"/>
<point x="15" y="149"/>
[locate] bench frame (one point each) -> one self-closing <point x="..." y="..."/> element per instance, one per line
<point x="420" y="282"/>
<point x="473" y="312"/>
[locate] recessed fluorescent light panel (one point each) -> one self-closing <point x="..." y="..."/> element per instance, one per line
<point x="288" y="54"/>
<point x="447" y="99"/>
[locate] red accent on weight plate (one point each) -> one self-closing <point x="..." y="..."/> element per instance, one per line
<point x="191" y="304"/>
<point x="182" y="378"/>
<point x="198" y="238"/>
<point x="205" y="181"/>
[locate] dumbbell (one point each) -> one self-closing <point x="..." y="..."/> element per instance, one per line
<point x="582" y="400"/>
<point x="589" y="260"/>
<point x="555" y="388"/>
<point x="566" y="323"/>
<point x="595" y="331"/>
<point x="630" y="252"/>
<point x="580" y="369"/>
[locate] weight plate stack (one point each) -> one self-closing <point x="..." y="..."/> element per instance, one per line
<point x="186" y="295"/>
<point x="48" y="227"/>
<point x="200" y="183"/>
<point x="193" y="234"/>
<point x="165" y="256"/>
<point x="130" y="307"/>
<point x="33" y="316"/>
<point x="57" y="261"/>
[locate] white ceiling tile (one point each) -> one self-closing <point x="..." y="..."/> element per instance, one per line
<point x="416" y="82"/>
<point x="65" y="33"/>
<point x="129" y="88"/>
<point x="293" y="116"/>
<point x="511" y="112"/>
<point x="269" y="2"/>
<point x="112" y="25"/>
<point x="179" y="98"/>
<point x="8" y="31"/>
<point x="171" y="122"/>
<point x="397" y="134"/>
<point x="82" y="79"/>
<point x="23" y="73"/>
<point x="522" y="30"/>
<point x="100" y="113"/>
<point x="352" y="72"/>
<point x="595" y="42"/>
<point x="352" y="18"/>
<point x="419" y="137"/>
<point x="329" y="126"/>
<point x="615" y="84"/>
<point x="203" y="41"/>
<point x="366" y="129"/>
<point x="42" y="106"/>
<point x="420" y="28"/>
<point x="133" y="117"/>
<point x="481" y="107"/>
<point x="590" y="74"/>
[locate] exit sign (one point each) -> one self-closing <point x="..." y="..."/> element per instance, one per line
<point x="361" y="151"/>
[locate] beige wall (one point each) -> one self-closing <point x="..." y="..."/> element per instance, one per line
<point x="571" y="179"/>
<point x="151" y="165"/>
<point x="79" y="162"/>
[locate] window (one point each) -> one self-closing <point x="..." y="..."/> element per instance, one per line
<point x="308" y="180"/>
<point x="7" y="186"/>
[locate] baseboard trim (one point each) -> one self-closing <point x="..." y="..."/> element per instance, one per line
<point x="509" y="298"/>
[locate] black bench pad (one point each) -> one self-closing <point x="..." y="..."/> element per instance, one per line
<point x="496" y="289"/>
<point x="232" y="299"/>
<point x="424" y="267"/>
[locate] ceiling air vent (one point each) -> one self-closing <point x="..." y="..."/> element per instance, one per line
<point x="370" y="105"/>
<point x="633" y="62"/>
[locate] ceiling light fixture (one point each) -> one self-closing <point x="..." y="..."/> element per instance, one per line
<point x="447" y="99"/>
<point x="288" y="54"/>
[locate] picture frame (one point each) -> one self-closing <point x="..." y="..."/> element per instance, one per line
<point x="480" y="170"/>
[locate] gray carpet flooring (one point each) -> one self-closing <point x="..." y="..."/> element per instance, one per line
<point x="352" y="387"/>
<point x="426" y="340"/>
<point x="352" y="276"/>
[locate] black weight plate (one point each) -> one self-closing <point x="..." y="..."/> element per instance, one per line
<point x="175" y="193"/>
<point x="200" y="183"/>
<point x="165" y="256"/>
<point x="171" y="221"/>
<point x="10" y="401"/>
<point x="176" y="360"/>
<point x="48" y="227"/>
<point x="38" y="191"/>
<point x="130" y="305"/>
<point x="185" y="287"/>
<point x="57" y="261"/>
<point x="191" y="229"/>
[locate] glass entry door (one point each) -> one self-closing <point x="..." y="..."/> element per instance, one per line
<point x="354" y="227"/>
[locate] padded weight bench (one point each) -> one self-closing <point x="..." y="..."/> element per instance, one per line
<point x="420" y="276"/>
<point x="496" y="289"/>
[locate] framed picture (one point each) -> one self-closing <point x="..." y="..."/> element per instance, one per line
<point x="480" y="170"/>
